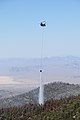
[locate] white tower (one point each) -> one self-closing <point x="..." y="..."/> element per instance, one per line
<point x="41" y="90"/>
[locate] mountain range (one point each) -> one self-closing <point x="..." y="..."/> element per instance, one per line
<point x="65" y="69"/>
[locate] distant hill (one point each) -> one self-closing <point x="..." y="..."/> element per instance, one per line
<point x="52" y="90"/>
<point x="65" y="69"/>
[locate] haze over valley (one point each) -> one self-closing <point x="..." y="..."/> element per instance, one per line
<point x="24" y="71"/>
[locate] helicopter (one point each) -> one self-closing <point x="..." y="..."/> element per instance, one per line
<point x="43" y="24"/>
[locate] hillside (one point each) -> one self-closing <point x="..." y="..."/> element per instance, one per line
<point x="63" y="109"/>
<point x="52" y="90"/>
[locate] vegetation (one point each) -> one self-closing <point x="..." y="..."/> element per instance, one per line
<point x="63" y="109"/>
<point x="54" y="90"/>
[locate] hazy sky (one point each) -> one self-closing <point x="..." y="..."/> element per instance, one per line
<point x="20" y="33"/>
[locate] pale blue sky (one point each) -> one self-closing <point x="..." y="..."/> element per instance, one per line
<point x="20" y="33"/>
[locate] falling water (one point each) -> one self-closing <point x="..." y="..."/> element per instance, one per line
<point x="41" y="90"/>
